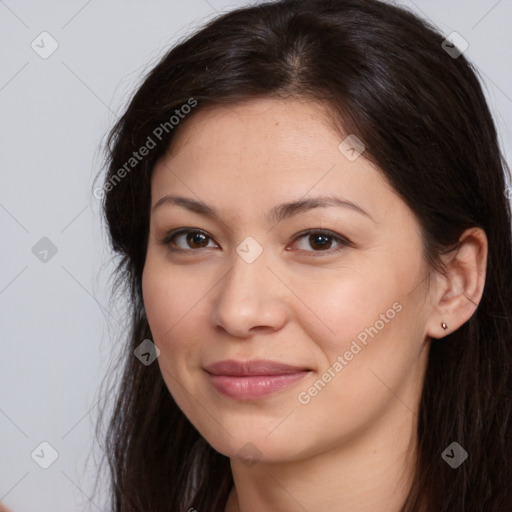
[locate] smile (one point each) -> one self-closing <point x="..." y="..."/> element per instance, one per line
<point x="253" y="379"/>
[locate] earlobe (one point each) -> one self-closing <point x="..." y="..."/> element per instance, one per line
<point x="460" y="290"/>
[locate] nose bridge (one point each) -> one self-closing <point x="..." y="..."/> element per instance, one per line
<point x="248" y="296"/>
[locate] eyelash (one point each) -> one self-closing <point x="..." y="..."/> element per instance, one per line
<point x="342" y="241"/>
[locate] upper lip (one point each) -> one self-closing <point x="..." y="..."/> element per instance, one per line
<point x="256" y="367"/>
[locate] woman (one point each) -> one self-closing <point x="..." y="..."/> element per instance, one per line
<point x="308" y="200"/>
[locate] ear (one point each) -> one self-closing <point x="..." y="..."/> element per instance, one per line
<point x="457" y="294"/>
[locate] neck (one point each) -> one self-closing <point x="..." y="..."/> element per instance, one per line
<point x="372" y="472"/>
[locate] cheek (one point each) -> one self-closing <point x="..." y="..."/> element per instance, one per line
<point x="170" y="293"/>
<point x="168" y="301"/>
<point x="341" y="309"/>
<point x="375" y="347"/>
<point x="159" y="299"/>
<point x="169" y="305"/>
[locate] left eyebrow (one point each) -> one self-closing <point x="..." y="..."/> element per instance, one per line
<point x="286" y="210"/>
<point x="276" y="214"/>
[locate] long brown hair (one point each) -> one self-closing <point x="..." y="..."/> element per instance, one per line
<point x="425" y="123"/>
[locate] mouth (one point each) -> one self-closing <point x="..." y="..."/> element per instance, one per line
<point x="245" y="380"/>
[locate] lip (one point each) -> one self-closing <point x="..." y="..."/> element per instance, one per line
<point x="238" y="368"/>
<point x="253" y="379"/>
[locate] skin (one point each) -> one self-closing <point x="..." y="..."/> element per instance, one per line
<point x="352" y="446"/>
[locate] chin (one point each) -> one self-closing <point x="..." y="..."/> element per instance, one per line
<point x="251" y="447"/>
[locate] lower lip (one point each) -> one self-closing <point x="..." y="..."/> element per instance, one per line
<point x="254" y="386"/>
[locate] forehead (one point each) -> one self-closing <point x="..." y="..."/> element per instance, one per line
<point x="263" y="152"/>
<point x="258" y="135"/>
<point x="284" y="127"/>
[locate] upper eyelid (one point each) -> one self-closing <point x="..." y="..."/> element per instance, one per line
<point x="181" y="231"/>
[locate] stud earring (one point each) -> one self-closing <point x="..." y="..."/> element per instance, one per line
<point x="444" y="326"/>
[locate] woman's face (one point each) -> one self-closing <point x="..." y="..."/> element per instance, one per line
<point x="336" y="291"/>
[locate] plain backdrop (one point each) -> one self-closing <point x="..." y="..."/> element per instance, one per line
<point x="58" y="327"/>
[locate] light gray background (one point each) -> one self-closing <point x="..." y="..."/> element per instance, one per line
<point x="58" y="328"/>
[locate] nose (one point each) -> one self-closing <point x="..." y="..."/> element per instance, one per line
<point x="250" y="299"/>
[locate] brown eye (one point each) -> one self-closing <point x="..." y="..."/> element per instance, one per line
<point x="195" y="239"/>
<point x="191" y="239"/>
<point x="321" y="241"/>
